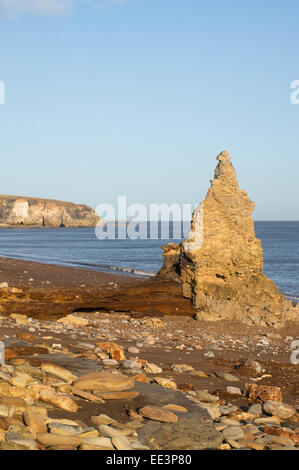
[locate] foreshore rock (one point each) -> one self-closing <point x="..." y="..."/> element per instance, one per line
<point x="58" y="393"/>
<point x="220" y="264"/>
<point x="18" y="211"/>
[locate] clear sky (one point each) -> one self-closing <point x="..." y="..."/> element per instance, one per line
<point x="137" y="98"/>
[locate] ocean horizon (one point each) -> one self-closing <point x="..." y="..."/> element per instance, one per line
<point x="79" y="247"/>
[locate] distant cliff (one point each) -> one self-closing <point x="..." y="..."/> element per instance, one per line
<point x="16" y="211"/>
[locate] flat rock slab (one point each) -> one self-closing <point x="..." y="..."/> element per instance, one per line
<point x="187" y="434"/>
<point x="157" y="413"/>
<point x="104" y="382"/>
<point x="76" y="365"/>
<point x="159" y="396"/>
<point x="58" y="371"/>
<point x="126" y="395"/>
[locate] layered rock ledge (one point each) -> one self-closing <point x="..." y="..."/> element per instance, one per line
<point x="220" y="264"/>
<point x="18" y="211"/>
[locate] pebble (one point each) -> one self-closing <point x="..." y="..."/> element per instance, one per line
<point x="233" y="433"/>
<point x="268" y="421"/>
<point x="152" y="369"/>
<point x="280" y="410"/>
<point x="4" y="411"/>
<point x="233" y="390"/>
<point x="158" y="414"/>
<point x="256" y="409"/>
<point x="58" y="371"/>
<point x="98" y="442"/>
<point x="213" y="411"/>
<point x="229" y="422"/>
<point x="209" y="354"/>
<point x="166" y="383"/>
<point x="182" y="368"/>
<point x="120" y="443"/>
<point x="49" y="439"/>
<point x="108" y="431"/>
<point x="133" y="350"/>
<point x="129" y="364"/>
<point x="226" y="410"/>
<point x="206" y="396"/>
<point x="110" y="362"/>
<point x="227" y="376"/>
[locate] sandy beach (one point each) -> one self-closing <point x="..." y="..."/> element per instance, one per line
<point x="29" y="274"/>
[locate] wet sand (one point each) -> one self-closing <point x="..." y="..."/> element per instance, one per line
<point x="45" y="290"/>
<point x="30" y="274"/>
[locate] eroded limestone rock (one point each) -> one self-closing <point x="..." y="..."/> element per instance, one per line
<point x="220" y="264"/>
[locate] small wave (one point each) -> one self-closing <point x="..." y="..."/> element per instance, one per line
<point x="132" y="271"/>
<point x="144" y="273"/>
<point x="290" y="294"/>
<point x="81" y="264"/>
<point x="293" y="298"/>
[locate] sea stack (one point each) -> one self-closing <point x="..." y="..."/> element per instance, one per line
<point x="16" y="211"/>
<point x="220" y="264"/>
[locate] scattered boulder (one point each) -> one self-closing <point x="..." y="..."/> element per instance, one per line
<point x="164" y="382"/>
<point x="73" y="321"/>
<point x="20" y="319"/>
<point x="48" y="395"/>
<point x="182" y="368"/>
<point x="233" y="433"/>
<point x="104" y="382"/>
<point x="280" y="410"/>
<point x="274" y="431"/>
<point x="226" y="376"/>
<point x="152" y="368"/>
<point x="35" y="422"/>
<point x="158" y="414"/>
<point x="58" y="371"/>
<point x="263" y="392"/>
<point x="115" y="351"/>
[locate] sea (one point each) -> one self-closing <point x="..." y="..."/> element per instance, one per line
<point x="80" y="247"/>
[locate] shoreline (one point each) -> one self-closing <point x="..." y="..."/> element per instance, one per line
<point x="36" y="274"/>
<point x="47" y="275"/>
<point x="48" y="291"/>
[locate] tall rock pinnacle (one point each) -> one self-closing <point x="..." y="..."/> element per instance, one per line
<point x="220" y="264"/>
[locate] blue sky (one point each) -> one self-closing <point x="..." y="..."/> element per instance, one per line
<point x="137" y="98"/>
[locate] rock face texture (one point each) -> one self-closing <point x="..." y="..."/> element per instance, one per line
<point x="220" y="264"/>
<point x="22" y="211"/>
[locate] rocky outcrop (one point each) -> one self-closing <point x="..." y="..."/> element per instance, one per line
<point x="23" y="211"/>
<point x="171" y="262"/>
<point x="220" y="264"/>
